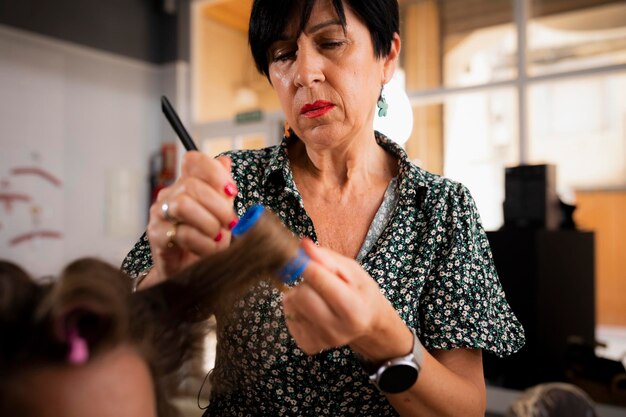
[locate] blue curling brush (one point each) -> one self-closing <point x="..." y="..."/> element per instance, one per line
<point x="294" y="267"/>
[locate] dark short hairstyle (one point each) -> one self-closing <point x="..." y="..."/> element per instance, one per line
<point x="270" y="17"/>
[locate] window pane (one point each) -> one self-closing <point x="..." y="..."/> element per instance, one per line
<point x="480" y="139"/>
<point x="224" y="80"/>
<point x="580" y="125"/>
<point x="565" y="36"/>
<point x="457" y="42"/>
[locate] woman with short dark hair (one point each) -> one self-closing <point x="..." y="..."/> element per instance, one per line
<point x="400" y="296"/>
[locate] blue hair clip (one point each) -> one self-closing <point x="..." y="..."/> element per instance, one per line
<point x="294" y="268"/>
<point x="249" y="219"/>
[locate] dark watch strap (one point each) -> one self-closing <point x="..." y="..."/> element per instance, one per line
<point x="369" y="367"/>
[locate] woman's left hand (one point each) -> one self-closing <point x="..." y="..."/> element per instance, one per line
<point x="338" y="303"/>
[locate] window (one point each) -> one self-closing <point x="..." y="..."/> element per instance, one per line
<point x="579" y="125"/>
<point x="497" y="83"/>
<point x="570" y="38"/>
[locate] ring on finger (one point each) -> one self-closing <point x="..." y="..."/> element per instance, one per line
<point x="165" y="209"/>
<point x="171" y="236"/>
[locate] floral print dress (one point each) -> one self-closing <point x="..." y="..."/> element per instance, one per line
<point x="427" y="251"/>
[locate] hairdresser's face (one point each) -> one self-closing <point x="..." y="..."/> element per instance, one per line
<point x="328" y="80"/>
<point x="117" y="384"/>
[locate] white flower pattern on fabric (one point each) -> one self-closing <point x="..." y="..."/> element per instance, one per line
<point x="431" y="260"/>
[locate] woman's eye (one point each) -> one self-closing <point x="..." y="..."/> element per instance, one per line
<point x="283" y="55"/>
<point x="331" y="44"/>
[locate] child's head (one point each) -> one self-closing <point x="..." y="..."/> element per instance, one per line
<point x="117" y="382"/>
<point x="68" y="349"/>
<point x="88" y="345"/>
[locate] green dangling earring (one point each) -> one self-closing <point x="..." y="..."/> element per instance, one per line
<point x="382" y="104"/>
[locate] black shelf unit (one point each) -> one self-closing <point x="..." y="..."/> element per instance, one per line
<point x="548" y="278"/>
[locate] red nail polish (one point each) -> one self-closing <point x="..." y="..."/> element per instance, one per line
<point x="232" y="224"/>
<point x="231" y="189"/>
<point x="218" y="237"/>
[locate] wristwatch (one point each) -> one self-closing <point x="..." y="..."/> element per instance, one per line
<point x="398" y="374"/>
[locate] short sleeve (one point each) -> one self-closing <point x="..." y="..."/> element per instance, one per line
<point x="463" y="303"/>
<point x="139" y="258"/>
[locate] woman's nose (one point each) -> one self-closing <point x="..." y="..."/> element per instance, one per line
<point x="308" y="67"/>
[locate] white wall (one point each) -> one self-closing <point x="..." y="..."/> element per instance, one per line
<point x="90" y="118"/>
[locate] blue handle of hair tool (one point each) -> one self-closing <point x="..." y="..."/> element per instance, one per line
<point x="294" y="267"/>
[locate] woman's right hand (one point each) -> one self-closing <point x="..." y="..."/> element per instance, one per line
<point x="199" y="216"/>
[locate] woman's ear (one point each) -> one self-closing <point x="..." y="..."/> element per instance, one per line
<point x="391" y="60"/>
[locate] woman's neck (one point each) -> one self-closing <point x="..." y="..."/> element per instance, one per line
<point x="355" y="165"/>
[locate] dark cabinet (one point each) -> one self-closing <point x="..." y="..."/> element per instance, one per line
<point x="548" y="278"/>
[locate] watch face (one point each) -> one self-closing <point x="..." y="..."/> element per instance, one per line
<point x="398" y="378"/>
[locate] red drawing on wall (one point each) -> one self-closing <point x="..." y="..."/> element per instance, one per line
<point x="39" y="172"/>
<point x="25" y="237"/>
<point x="36" y="232"/>
<point x="9" y="198"/>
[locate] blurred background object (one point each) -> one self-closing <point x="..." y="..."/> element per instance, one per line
<point x="553" y="400"/>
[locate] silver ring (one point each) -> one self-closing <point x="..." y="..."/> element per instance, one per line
<point x="165" y="209"/>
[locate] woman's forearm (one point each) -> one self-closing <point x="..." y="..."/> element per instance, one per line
<point x="450" y="383"/>
<point x="441" y="392"/>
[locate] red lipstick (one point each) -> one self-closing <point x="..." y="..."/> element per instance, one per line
<point x="316" y="109"/>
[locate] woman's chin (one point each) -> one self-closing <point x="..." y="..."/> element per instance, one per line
<point x="323" y="133"/>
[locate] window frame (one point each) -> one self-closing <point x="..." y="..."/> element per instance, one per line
<point x="521" y="83"/>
